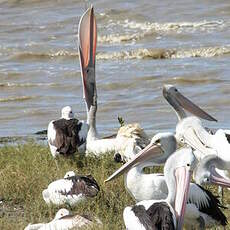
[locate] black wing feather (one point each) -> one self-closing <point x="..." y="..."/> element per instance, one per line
<point x="85" y="185"/>
<point x="67" y="138"/>
<point x="213" y="208"/>
<point x="157" y="217"/>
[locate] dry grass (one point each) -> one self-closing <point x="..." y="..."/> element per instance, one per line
<point x="25" y="170"/>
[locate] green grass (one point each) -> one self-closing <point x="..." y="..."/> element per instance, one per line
<point x="25" y="170"/>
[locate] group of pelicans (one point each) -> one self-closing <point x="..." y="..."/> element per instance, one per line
<point x="164" y="201"/>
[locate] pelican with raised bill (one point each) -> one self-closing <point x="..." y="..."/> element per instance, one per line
<point x="203" y="208"/>
<point x="180" y="103"/>
<point x="190" y="130"/>
<point x="71" y="189"/>
<point x="167" y="213"/>
<point x="127" y="136"/>
<point x="64" y="220"/>
<point x="67" y="134"/>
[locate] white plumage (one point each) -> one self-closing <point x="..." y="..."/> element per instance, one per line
<point x="67" y="134"/>
<point x="70" y="190"/>
<point x="65" y="221"/>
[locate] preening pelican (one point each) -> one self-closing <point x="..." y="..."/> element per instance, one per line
<point x="126" y="136"/>
<point x="190" y="131"/>
<point x="157" y="214"/>
<point x="64" y="220"/>
<point x="67" y="134"/>
<point x="71" y="189"/>
<point x="203" y="208"/>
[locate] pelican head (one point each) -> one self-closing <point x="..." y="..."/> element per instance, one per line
<point x="61" y="213"/>
<point x="161" y="146"/>
<point x="206" y="172"/>
<point x="69" y="174"/>
<point x="67" y="113"/>
<point x="180" y="102"/>
<point x="191" y="132"/>
<point x="87" y="32"/>
<point x="178" y="171"/>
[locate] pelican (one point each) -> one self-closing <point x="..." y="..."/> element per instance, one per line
<point x="64" y="220"/>
<point x="128" y="135"/>
<point x="202" y="206"/>
<point x="187" y="125"/>
<point x="151" y="214"/>
<point x="71" y="189"/>
<point x="67" y="134"/>
<point x="207" y="173"/>
<point x="190" y="130"/>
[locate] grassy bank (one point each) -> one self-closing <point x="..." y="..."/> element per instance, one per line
<point x="25" y="170"/>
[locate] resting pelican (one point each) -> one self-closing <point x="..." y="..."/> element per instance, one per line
<point x="151" y="214"/>
<point x="67" y="134"/>
<point x="64" y="220"/>
<point x="71" y="189"/>
<point x="203" y="208"/>
<point x="129" y="134"/>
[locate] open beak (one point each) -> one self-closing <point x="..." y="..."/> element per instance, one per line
<point x="144" y="155"/>
<point x="183" y="177"/>
<point x="173" y="96"/>
<point x="216" y="178"/>
<point x="87" y="33"/>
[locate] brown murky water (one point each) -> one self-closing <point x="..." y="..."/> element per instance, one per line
<point x="141" y="46"/>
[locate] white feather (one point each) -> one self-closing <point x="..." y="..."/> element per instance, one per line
<point x="53" y="194"/>
<point x="131" y="221"/>
<point x="51" y="134"/>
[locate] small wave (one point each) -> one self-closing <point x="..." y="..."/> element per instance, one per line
<point x="137" y="54"/>
<point x="166" y="53"/>
<point x="22" y="98"/>
<point x="202" y="52"/>
<point x="48" y="55"/>
<point x="9" y="84"/>
<point x="141" y="30"/>
<point x="144" y="53"/>
<point x="194" y="80"/>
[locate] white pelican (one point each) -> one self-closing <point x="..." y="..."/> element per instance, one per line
<point x="207" y="172"/>
<point x="203" y="208"/>
<point x="127" y="135"/>
<point x="71" y="189"/>
<point x="64" y="220"/>
<point x="67" y="134"/>
<point x="158" y="214"/>
<point x="190" y="131"/>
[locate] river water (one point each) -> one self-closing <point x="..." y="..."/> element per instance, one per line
<point x="141" y="46"/>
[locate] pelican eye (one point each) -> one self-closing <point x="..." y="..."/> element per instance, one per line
<point x="175" y="90"/>
<point x="188" y="164"/>
<point x="182" y="140"/>
<point x="158" y="141"/>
